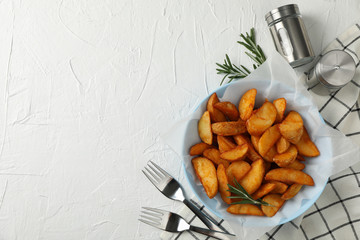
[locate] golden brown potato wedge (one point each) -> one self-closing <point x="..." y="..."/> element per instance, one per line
<point x="223" y="184"/>
<point x="236" y="154"/>
<point x="199" y="148"/>
<point x="255" y="142"/>
<point x="228" y="109"/>
<point x="288" y="175"/>
<point x="280" y="105"/>
<point x="237" y="170"/>
<point x="246" y="104"/>
<point x="299" y="157"/>
<point x="204" y="128"/>
<point x="279" y="187"/>
<point x="282" y="145"/>
<point x="245" y="209"/>
<point x="253" y="179"/>
<point x="291" y="191"/>
<point x="269" y="157"/>
<point x="292" y="127"/>
<point x="251" y="154"/>
<point x="225" y="143"/>
<point x="215" y="114"/>
<point x="228" y="128"/>
<point x="214" y="155"/>
<point x="262" y="119"/>
<point x="297" y="165"/>
<point x="263" y="190"/>
<point x="206" y="172"/>
<point x="306" y="147"/>
<point x="268" y="139"/>
<point x="240" y="139"/>
<point x="276" y="201"/>
<point x="284" y="159"/>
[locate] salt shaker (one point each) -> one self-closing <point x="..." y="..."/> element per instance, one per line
<point x="289" y="35"/>
<point x="333" y="71"/>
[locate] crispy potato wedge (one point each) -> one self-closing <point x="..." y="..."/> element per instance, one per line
<point x="215" y="114"/>
<point x="291" y="191"/>
<point x="236" y="154"/>
<point x="223" y="184"/>
<point x="246" y="104"/>
<point x="299" y="157"/>
<point x="225" y="143"/>
<point x="276" y="201"/>
<point x="237" y="170"/>
<point x="206" y="172"/>
<point x="263" y="190"/>
<point x="253" y="179"/>
<point x="199" y="148"/>
<point x="297" y="165"/>
<point x="229" y="128"/>
<point x="268" y="139"/>
<point x="255" y="142"/>
<point x="214" y="155"/>
<point x="284" y="159"/>
<point x="269" y="157"/>
<point x="282" y="145"/>
<point x="204" y="128"/>
<point x="288" y="175"/>
<point x="280" y="105"/>
<point x="228" y="109"/>
<point x="251" y="154"/>
<point x="245" y="209"/>
<point x="240" y="139"/>
<point x="292" y="127"/>
<point x="262" y="119"/>
<point x="306" y="147"/>
<point x="279" y="187"/>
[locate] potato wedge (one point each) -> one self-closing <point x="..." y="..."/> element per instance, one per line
<point x="255" y="142"/>
<point x="292" y="127"/>
<point x="280" y="105"/>
<point x="253" y="179"/>
<point x="236" y="154"/>
<point x="215" y="114"/>
<point x="269" y="157"/>
<point x="276" y="201"/>
<point x="245" y="209"/>
<point x="284" y="159"/>
<point x="246" y="104"/>
<point x="223" y="184"/>
<point x="251" y="154"/>
<point x="263" y="190"/>
<point x="268" y="139"/>
<point x="279" y="187"/>
<point x="299" y="157"/>
<point x="199" y="148"/>
<point x="292" y="191"/>
<point x="228" y="128"/>
<point x="297" y="165"/>
<point x="288" y="175"/>
<point x="206" y="172"/>
<point x="214" y="155"/>
<point x="237" y="170"/>
<point x="306" y="147"/>
<point x="228" y="109"/>
<point x="282" y="145"/>
<point x="262" y="119"/>
<point x="225" y="143"/>
<point x="204" y="128"/>
<point x="240" y="139"/>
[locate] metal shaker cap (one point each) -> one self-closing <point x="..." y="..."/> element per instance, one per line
<point x="282" y="12"/>
<point x="335" y="69"/>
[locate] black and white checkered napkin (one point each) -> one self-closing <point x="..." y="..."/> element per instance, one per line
<point x="336" y="214"/>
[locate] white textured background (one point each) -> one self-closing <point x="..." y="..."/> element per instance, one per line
<point x="86" y="88"/>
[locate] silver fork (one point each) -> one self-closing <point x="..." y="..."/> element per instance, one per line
<point x="172" y="222"/>
<point x="172" y="189"/>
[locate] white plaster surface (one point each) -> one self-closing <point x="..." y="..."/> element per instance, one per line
<point x="87" y="88"/>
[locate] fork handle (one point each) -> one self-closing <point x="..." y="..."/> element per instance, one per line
<point x="214" y="234"/>
<point x="210" y="223"/>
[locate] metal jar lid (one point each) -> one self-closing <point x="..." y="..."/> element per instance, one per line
<point x="335" y="69"/>
<point x="282" y="12"/>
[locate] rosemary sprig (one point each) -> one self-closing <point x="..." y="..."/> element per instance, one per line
<point x="232" y="71"/>
<point x="240" y="192"/>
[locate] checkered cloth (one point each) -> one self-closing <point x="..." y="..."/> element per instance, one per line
<point x="336" y="214"/>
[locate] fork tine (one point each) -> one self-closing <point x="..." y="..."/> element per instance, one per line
<point x="162" y="212"/>
<point x="159" y="175"/>
<point x="155" y="219"/>
<point x="149" y="223"/>
<point x="153" y="173"/>
<point x="161" y="170"/>
<point x="150" y="178"/>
